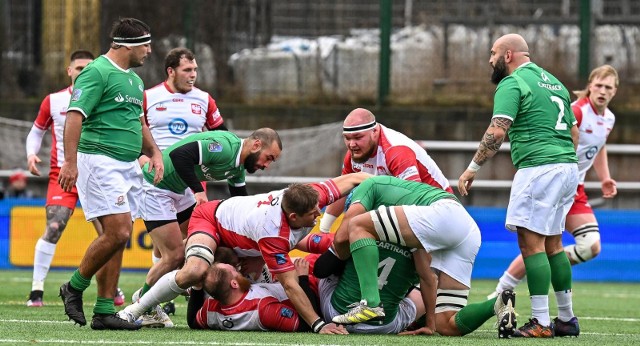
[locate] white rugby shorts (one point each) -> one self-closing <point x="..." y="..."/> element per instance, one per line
<point x="158" y="204"/>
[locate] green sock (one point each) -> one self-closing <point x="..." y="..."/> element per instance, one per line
<point x="145" y="289"/>
<point x="561" y="275"/>
<point x="365" y="259"/>
<point x="104" y="306"/>
<point x="472" y="316"/>
<point x="538" y="274"/>
<point x="79" y="282"/>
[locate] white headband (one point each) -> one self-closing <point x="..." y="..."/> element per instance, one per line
<point x="359" y="128"/>
<point x="132" y="41"/>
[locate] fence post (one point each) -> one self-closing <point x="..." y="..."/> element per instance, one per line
<point x="385" y="51"/>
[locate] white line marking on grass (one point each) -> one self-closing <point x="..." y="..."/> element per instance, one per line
<point x="617" y="319"/>
<point x="141" y="342"/>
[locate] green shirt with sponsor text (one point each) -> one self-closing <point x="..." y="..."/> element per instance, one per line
<point x="540" y="107"/>
<point x="110" y="99"/>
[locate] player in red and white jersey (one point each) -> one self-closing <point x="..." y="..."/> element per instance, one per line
<point x="267" y="225"/>
<point x="376" y="149"/>
<point x="240" y="305"/>
<point x="175" y="108"/>
<point x="595" y="122"/>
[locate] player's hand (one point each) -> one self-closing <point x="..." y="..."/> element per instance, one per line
<point x="201" y="197"/>
<point x="32" y="162"/>
<point x="420" y="331"/>
<point x="143" y="159"/>
<point x="156" y="163"/>
<point x="465" y="181"/>
<point x="609" y="189"/>
<point x="332" y="328"/>
<point x="68" y="176"/>
<point x="302" y="266"/>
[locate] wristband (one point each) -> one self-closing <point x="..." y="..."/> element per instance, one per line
<point x="318" y="325"/>
<point x="473" y="167"/>
<point x="326" y="221"/>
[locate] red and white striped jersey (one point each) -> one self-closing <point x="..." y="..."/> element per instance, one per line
<point x="52" y="114"/>
<point x="594" y="130"/>
<point x="173" y="116"/>
<point x="256" y="226"/>
<point x="399" y="156"/>
<point x="265" y="307"/>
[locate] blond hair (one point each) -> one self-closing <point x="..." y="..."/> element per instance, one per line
<point x="598" y="72"/>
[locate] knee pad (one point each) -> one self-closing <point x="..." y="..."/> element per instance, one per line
<point x="386" y="225"/>
<point x="451" y="300"/>
<point x="200" y="251"/>
<point x="585" y="236"/>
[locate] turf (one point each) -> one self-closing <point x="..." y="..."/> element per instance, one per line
<point x="608" y="315"/>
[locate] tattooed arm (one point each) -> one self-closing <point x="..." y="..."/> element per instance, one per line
<point x="491" y="142"/>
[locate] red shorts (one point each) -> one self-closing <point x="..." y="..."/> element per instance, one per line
<point x="203" y="220"/>
<point x="580" y="203"/>
<point x="56" y="195"/>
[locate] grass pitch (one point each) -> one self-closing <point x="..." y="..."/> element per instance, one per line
<point x="608" y="312"/>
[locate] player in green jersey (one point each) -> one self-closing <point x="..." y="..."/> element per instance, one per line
<point x="432" y="221"/>
<point x="533" y="107"/>
<point x="200" y="157"/>
<point x="104" y="135"/>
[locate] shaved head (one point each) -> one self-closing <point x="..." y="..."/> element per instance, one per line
<point x="359" y="116"/>
<point x="512" y="42"/>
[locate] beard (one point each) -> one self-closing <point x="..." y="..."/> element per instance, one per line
<point x="244" y="283"/>
<point x="499" y="71"/>
<point x="365" y="155"/>
<point x="251" y="161"/>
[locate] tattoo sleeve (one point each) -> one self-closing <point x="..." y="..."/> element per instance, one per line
<point x="492" y="139"/>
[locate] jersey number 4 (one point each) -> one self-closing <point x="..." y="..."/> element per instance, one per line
<point x="386" y="265"/>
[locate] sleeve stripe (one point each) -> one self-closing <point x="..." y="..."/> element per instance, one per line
<point x="503" y="116"/>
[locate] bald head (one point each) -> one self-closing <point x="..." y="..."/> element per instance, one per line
<point x="513" y="42"/>
<point x="359" y="116"/>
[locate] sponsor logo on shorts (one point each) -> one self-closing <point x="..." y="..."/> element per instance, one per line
<point x="120" y="201"/>
<point x="281" y="258"/>
<point x="56" y="198"/>
<point x="316" y="239"/>
<point x="215" y="147"/>
<point x="76" y="94"/>
<point x="286" y="312"/>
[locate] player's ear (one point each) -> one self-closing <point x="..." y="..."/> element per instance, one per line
<point x="234" y="283"/>
<point x="257" y="146"/>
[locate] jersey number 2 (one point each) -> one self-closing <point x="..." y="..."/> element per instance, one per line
<point x="560" y="126"/>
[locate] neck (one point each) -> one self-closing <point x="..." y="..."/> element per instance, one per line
<point x="118" y="57"/>
<point x="247" y="143"/>
<point x="234" y="297"/>
<point x="171" y="85"/>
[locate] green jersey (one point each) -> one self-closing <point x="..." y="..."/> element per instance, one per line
<point x="540" y="108"/>
<point x="219" y="153"/>
<point x="110" y="99"/>
<point x="396" y="276"/>
<point x="391" y="191"/>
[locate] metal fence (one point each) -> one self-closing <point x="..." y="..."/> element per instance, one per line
<point x="37" y="37"/>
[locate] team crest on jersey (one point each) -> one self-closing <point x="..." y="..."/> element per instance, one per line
<point x="215" y="147"/>
<point x="280" y="258"/>
<point x="76" y="94"/>
<point x="63" y="111"/>
<point x="161" y="107"/>
<point x="286" y="312"/>
<point x="196" y="108"/>
<point x="227" y="323"/>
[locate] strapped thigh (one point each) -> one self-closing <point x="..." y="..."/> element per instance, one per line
<point x="387" y="226"/>
<point x="451" y="300"/>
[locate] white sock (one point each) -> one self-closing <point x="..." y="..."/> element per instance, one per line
<point x="154" y="259"/>
<point x="540" y="309"/>
<point x="507" y="282"/>
<point x="164" y="290"/>
<point x="41" y="262"/>
<point x="565" y="305"/>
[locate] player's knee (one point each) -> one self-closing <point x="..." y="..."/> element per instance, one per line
<point x="587" y="244"/>
<point x="445" y="325"/>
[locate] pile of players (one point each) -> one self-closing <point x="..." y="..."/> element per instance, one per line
<point x="402" y="256"/>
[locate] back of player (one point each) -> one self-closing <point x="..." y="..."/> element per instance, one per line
<point x="390" y="191"/>
<point x="541" y="130"/>
<point x="396" y="276"/>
